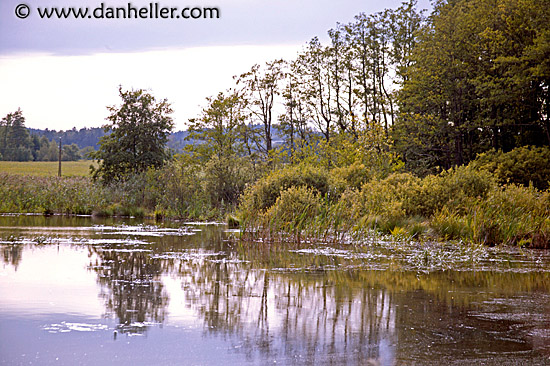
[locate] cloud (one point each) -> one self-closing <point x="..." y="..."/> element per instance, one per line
<point x="61" y="92"/>
<point x="241" y="22"/>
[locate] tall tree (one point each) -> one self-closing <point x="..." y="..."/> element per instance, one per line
<point x="15" y="141"/>
<point x="316" y="86"/>
<point x="260" y="87"/>
<point x="478" y="78"/>
<point x="220" y="128"/>
<point x="136" y="136"/>
<point x="221" y="141"/>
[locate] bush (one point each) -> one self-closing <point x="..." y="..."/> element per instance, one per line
<point x="353" y="176"/>
<point x="294" y="209"/>
<point x="264" y="193"/>
<point x="456" y="189"/>
<point x="384" y="197"/>
<point x="378" y="204"/>
<point x="523" y="165"/>
<point x="225" y="179"/>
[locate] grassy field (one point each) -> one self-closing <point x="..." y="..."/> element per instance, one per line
<point x="46" y="168"/>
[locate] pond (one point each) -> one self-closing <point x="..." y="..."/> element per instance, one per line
<point x="90" y="291"/>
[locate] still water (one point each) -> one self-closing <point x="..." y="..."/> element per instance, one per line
<point x="93" y="292"/>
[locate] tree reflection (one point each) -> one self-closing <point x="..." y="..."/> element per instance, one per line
<point x="276" y="303"/>
<point x="12" y="254"/>
<point x="281" y="315"/>
<point x="131" y="287"/>
<point x="313" y="315"/>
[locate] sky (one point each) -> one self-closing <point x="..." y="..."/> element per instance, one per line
<point x="63" y="73"/>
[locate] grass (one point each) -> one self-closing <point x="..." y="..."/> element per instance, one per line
<point x="46" y="168"/>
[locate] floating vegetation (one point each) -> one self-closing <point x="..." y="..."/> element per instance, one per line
<point x="144" y="230"/>
<point x="383" y="253"/>
<point x="188" y="255"/>
<point x="65" y="327"/>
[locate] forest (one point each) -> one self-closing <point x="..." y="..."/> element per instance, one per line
<point x="413" y="124"/>
<point x="18" y="143"/>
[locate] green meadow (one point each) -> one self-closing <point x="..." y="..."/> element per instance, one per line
<point x="46" y="168"/>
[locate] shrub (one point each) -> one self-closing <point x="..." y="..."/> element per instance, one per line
<point x="455" y="189"/>
<point x="225" y="179"/>
<point x="384" y="197"/>
<point x="294" y="210"/>
<point x="379" y="203"/>
<point x="264" y="193"/>
<point x="353" y="176"/>
<point x="523" y="165"/>
<point x="512" y="215"/>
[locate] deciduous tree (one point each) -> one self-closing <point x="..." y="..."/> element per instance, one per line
<point x="136" y="136"/>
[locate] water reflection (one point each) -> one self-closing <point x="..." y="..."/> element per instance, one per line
<point x="283" y="317"/>
<point x="12" y="254"/>
<point x="293" y="305"/>
<point x="131" y="287"/>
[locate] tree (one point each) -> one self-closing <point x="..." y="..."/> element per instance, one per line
<point x="476" y="79"/>
<point x="293" y="121"/>
<point x="220" y="145"/>
<point x="15" y="141"/>
<point x="135" y="139"/>
<point x="219" y="128"/>
<point x="260" y="88"/>
<point x="71" y="153"/>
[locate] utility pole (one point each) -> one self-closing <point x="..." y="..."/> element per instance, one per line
<point x="59" y="171"/>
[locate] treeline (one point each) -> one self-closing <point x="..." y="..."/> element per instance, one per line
<point x="19" y="143"/>
<point x="438" y="90"/>
<point x="16" y="144"/>
<point x="478" y="79"/>
<point x="84" y="137"/>
<point x="406" y="124"/>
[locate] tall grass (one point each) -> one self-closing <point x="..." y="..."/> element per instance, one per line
<point x="68" y="195"/>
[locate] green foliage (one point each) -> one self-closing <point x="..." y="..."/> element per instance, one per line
<point x="384" y="198"/>
<point x="512" y="215"/>
<point x="352" y="176"/>
<point x="473" y="76"/>
<point x="478" y="79"/>
<point x="67" y="195"/>
<point x="225" y="180"/>
<point x="219" y="130"/>
<point x="264" y="193"/>
<point x="70" y="153"/>
<point x="15" y="141"/>
<point x="260" y="87"/>
<point x="16" y="144"/>
<point x="455" y="188"/>
<point x="524" y="165"/>
<point x="138" y="135"/>
<point x="294" y="210"/>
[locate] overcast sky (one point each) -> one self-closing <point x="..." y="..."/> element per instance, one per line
<point x="63" y="73"/>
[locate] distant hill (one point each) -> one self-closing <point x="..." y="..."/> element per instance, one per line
<point x="82" y="138"/>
